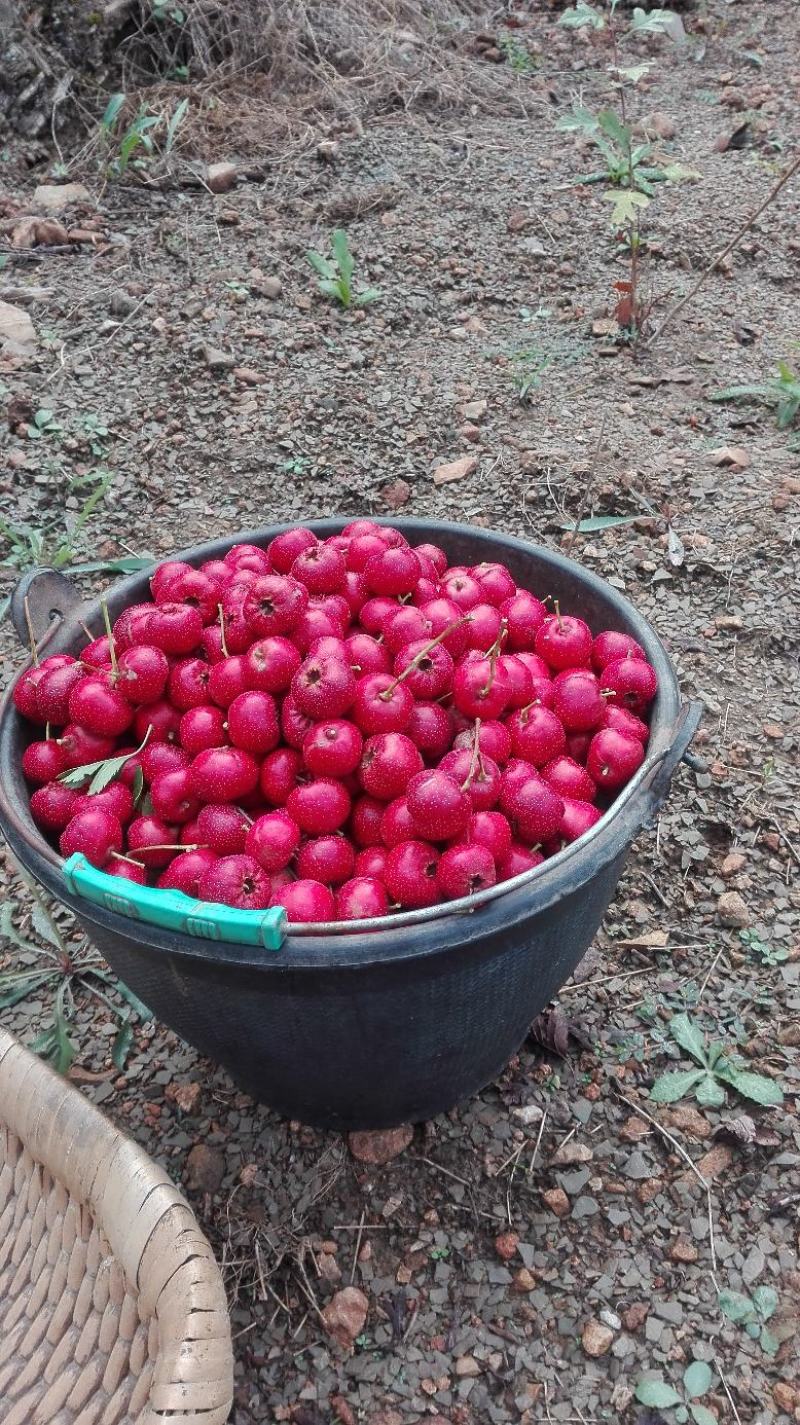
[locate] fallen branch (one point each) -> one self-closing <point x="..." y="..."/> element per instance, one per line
<point x="714" y="263"/>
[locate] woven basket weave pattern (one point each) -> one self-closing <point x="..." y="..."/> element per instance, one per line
<point x="112" y="1308"/>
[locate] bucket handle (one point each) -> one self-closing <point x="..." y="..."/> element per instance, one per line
<point x="172" y="910"/>
<point x="41" y="597"/>
<point x="684" y="730"/>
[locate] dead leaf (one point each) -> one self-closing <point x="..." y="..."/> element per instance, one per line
<point x="456" y="470"/>
<point x="676" y="552"/>
<point x="17" y="332"/>
<point x="730" y="455"/>
<point x="553" y="1030"/>
<point x="605" y="326"/>
<point x="744" y="1129"/>
<point x="654" y="940"/>
<point x="345" y="1314"/>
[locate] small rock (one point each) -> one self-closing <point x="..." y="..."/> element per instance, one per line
<point x="633" y="1129"/>
<point x="246" y="376"/>
<point x="596" y="1338"/>
<point x="715" y="1162"/>
<point x="248" y="1174"/>
<point x="328" y="150"/>
<point x="734" y="862"/>
<point x="455" y="470"/>
<point x="610" y="1318"/>
<point x="329" y="1268"/>
<point x="557" y="1200"/>
<point x="218" y="360"/>
<point x="474" y="410"/>
<point x="159" y="325"/>
<point x="570" y="1153"/>
<point x="688" y="1120"/>
<point x="732" y="910"/>
<point x="637" y="1167"/>
<point x="605" y="326"/>
<point x="635" y="1315"/>
<point x="17" y="332"/>
<point x="345" y="1314"/>
<point x="205" y="1168"/>
<point x="524" y="1281"/>
<point x="186" y="1096"/>
<point x="658" y="125"/>
<point x="396" y="493"/>
<point x="467" y="1366"/>
<point x="221" y="177"/>
<point x="784" y="1395"/>
<point x="381" y="1146"/>
<point x="506" y="1245"/>
<point x="55" y="197"/>
<point x="682" y="1250"/>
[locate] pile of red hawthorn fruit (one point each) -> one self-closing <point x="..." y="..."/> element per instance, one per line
<point x="341" y="727"/>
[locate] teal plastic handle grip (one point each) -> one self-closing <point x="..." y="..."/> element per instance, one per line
<point x="173" y="910"/>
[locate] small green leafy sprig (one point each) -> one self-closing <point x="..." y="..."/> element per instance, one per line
<point x="718" y="1070"/>
<point x="336" y="275"/>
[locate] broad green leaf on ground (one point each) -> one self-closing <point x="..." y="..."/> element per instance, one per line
<point x="735" y="1306"/>
<point x="657" y="1393"/>
<point x="670" y="1087"/>
<point x="709" y="1093"/>
<point x="122" y="1044"/>
<point x="690" y="1038"/>
<point x="753" y="1086"/>
<point x="702" y="1415"/>
<point x="697" y="1378"/>
<point x="765" y="1301"/>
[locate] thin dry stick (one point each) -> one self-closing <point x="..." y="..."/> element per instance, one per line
<point x="727" y="1392"/>
<point x="734" y="242"/>
<point x="358" y="1245"/>
<point x="704" y="1183"/>
<point x="588" y="487"/>
<point x="712" y="967"/>
<point x="31" y="635"/>
<point x="446" y="1172"/>
<point x="530" y="1166"/>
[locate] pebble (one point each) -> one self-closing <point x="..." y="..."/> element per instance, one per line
<point x="734" y="862"/>
<point x="218" y="360"/>
<point x="205" y="1168"/>
<point x="467" y="1366"/>
<point x="381" y="1146"/>
<point x="221" y="177"/>
<point x="611" y="1319"/>
<point x="345" y="1314"/>
<point x="596" y="1338"/>
<point x="732" y="910"/>
<point x="55" y="197"/>
<point x="557" y="1200"/>
<point x="637" y="1167"/>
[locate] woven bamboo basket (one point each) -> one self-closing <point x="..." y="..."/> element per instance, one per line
<point x="112" y="1306"/>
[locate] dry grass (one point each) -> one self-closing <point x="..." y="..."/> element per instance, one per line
<point x="268" y="71"/>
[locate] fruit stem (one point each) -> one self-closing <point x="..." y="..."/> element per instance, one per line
<point x="558" y="615"/>
<point x="31" y="635"/>
<point x="476" y="756"/>
<point x="118" y="856"/>
<point x="196" y="847"/>
<point x="415" y="662"/>
<point x="493" y="656"/>
<point x="500" y="640"/>
<point x="222" y="630"/>
<point x="109" y="633"/>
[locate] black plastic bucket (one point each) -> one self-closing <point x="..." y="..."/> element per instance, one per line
<point x="369" y="1030"/>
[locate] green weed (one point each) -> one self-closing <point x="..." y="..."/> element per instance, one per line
<point x="49" y="966"/>
<point x="336" y="275"/>
<point x="783" y="392"/>
<point x="718" y="1070"/>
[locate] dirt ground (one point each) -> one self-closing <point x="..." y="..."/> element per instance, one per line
<point x="232" y="394"/>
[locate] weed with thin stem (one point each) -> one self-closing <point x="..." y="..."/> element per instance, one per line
<point x="336" y="273"/>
